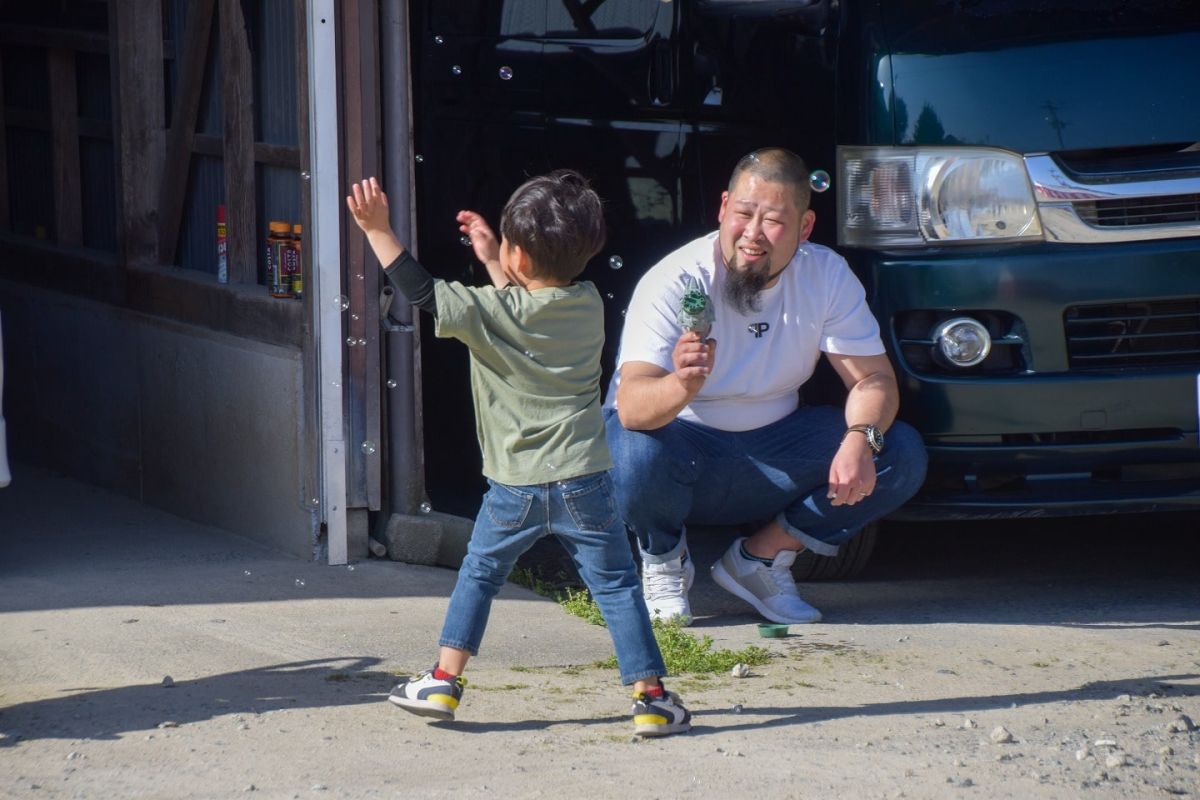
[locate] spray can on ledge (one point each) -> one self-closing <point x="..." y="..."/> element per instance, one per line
<point x="222" y="248"/>
<point x="277" y="241"/>
<point x="295" y="263"/>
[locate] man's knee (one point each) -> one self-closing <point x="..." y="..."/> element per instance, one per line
<point x="637" y="456"/>
<point x="905" y="455"/>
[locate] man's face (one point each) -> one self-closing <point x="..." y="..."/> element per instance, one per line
<point x="761" y="227"/>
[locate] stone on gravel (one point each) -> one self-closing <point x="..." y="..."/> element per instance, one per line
<point x="1001" y="735"/>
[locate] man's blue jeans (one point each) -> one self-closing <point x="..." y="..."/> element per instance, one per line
<point x="582" y="513"/>
<point x="687" y="473"/>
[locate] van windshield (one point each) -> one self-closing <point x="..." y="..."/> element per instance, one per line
<point x="932" y="26"/>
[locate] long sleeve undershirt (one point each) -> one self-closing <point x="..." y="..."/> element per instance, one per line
<point x="408" y="277"/>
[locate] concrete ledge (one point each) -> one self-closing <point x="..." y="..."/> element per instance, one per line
<point x="188" y="296"/>
<point x="434" y="539"/>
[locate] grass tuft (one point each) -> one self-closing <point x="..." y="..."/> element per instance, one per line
<point x="681" y="651"/>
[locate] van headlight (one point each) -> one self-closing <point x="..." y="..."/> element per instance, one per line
<point x="904" y="196"/>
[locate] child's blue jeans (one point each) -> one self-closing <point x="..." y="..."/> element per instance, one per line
<point x="582" y="513"/>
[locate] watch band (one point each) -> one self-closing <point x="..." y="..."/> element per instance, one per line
<point x="873" y="434"/>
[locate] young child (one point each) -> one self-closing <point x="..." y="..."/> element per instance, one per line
<point x="535" y="339"/>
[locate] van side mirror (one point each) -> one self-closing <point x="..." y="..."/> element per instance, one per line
<point x="808" y="16"/>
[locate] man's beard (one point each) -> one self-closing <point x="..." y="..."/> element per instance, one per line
<point x="742" y="287"/>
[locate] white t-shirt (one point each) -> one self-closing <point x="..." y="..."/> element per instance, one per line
<point x="762" y="358"/>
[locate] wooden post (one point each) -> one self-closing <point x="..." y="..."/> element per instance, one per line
<point x="136" y="55"/>
<point x="237" y="103"/>
<point x="190" y="81"/>
<point x="64" y="132"/>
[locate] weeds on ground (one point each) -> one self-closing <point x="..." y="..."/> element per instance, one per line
<point x="682" y="652"/>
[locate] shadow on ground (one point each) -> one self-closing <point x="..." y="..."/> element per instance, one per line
<point x="90" y="713"/>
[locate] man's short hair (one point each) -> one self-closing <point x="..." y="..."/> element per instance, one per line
<point x="776" y="165"/>
<point x="558" y="220"/>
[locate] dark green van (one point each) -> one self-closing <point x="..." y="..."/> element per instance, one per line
<point x="1017" y="184"/>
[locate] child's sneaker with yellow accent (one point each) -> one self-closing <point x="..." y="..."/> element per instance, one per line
<point x="659" y="716"/>
<point x="428" y="696"/>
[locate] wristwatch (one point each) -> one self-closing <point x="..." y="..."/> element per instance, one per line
<point x="873" y="434"/>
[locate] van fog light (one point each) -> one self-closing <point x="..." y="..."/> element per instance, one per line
<point x="964" y="342"/>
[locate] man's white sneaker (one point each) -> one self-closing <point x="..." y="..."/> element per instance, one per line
<point x="665" y="586"/>
<point x="770" y="589"/>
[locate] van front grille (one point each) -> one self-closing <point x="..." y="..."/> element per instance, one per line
<point x="1131" y="211"/>
<point x="1138" y="334"/>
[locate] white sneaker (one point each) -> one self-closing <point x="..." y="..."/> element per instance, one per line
<point x="665" y="586"/>
<point x="770" y="589"/>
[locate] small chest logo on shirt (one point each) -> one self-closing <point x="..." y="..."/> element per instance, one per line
<point x="758" y="328"/>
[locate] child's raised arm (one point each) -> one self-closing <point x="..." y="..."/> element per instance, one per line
<point x="483" y="242"/>
<point x="369" y="206"/>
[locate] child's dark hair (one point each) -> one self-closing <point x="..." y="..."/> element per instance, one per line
<point x="558" y="220"/>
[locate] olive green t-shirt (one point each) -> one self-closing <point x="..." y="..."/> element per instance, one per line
<point x="535" y="376"/>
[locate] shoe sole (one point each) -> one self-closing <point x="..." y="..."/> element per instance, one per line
<point x="651" y="731"/>
<point x="423" y="708"/>
<point x="684" y="620"/>
<point x="722" y="578"/>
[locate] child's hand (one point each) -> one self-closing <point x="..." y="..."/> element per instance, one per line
<point x="369" y="206"/>
<point x="483" y="240"/>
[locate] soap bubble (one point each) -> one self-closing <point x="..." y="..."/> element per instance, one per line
<point x="819" y="180"/>
<point x="362" y="342"/>
<point x="609" y="295"/>
<point x="368" y="447"/>
<point x="456" y="70"/>
<point x="426" y="507"/>
<point x="391" y="384"/>
<point x="299" y="582"/>
<point x="616" y="262"/>
<point x="420" y="159"/>
<point x="350" y="340"/>
<point x="439" y="39"/>
<point x="464" y="240"/>
<point x="342" y="302"/>
<point x="506" y="73"/>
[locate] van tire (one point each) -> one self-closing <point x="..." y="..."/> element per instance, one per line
<point x="851" y="559"/>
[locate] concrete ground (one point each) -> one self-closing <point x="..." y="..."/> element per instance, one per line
<point x="145" y="656"/>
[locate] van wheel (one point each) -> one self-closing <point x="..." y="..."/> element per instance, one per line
<point x="849" y="562"/>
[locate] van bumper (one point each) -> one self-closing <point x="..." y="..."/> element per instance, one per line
<point x="1050" y="435"/>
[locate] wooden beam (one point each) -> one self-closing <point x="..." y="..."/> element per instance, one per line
<point x="5" y="215"/>
<point x="350" y="69"/>
<point x="237" y="104"/>
<point x="89" y="127"/>
<point x="274" y="155"/>
<point x="189" y="83"/>
<point x="64" y="116"/>
<point x="54" y="38"/>
<point x="368" y="48"/>
<point x="136" y="47"/>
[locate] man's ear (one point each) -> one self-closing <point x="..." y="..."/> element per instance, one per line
<point x="721" y="210"/>
<point x="807" y="220"/>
